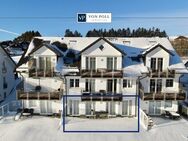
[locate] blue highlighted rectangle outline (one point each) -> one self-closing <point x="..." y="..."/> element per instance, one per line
<point x="103" y="131"/>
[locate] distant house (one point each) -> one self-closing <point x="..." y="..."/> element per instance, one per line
<point x="7" y="76"/>
<point x="102" y="72"/>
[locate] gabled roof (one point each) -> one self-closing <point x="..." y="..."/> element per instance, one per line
<point x="153" y="47"/>
<point x="8" y="55"/>
<point x="53" y="48"/>
<point x="101" y="38"/>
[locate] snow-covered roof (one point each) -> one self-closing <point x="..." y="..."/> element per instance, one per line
<point x="132" y="47"/>
<point x="16" y="58"/>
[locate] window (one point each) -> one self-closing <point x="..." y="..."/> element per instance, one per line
<point x="127" y="83"/>
<point x="156" y="64"/>
<point x="169" y="83"/>
<point x="71" y="83"/>
<point x="87" y="63"/>
<point x="112" y="63"/>
<point x="168" y="104"/>
<point x="152" y="85"/>
<point x="159" y="85"/>
<point x="74" y="83"/>
<point x="115" y="63"/>
<point x="153" y="64"/>
<point x="92" y="63"/>
<point x="109" y="63"/>
<point x="90" y="85"/>
<point x="160" y="64"/>
<point x="77" y="83"/>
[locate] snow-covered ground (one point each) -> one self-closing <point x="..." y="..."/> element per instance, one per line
<point x="47" y="129"/>
<point x="111" y="124"/>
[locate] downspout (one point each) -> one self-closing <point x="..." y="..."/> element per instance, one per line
<point x="137" y="92"/>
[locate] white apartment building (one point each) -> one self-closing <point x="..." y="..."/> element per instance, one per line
<point x="102" y="75"/>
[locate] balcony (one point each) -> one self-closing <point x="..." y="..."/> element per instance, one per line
<point x="102" y="73"/>
<point x="97" y="96"/>
<point x="41" y="73"/>
<point x="162" y="96"/>
<point x="34" y="95"/>
<point x="166" y="74"/>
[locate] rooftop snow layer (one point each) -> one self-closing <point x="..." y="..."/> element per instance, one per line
<point x="131" y="46"/>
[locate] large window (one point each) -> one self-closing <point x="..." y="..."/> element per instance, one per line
<point x="112" y="85"/>
<point x="109" y="63"/>
<point x="112" y="63"/>
<point x="156" y="64"/>
<point x="90" y="85"/>
<point x="169" y="82"/>
<point x="160" y="64"/>
<point x="90" y="63"/>
<point x="41" y="67"/>
<point x="127" y="83"/>
<point x="153" y="64"/>
<point x="155" y="85"/>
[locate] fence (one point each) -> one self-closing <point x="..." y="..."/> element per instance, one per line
<point x="10" y="107"/>
<point x="144" y="119"/>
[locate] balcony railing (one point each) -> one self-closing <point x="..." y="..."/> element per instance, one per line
<point x="97" y="96"/>
<point x="34" y="95"/>
<point x="102" y="73"/>
<point x="162" y="96"/>
<point x="41" y="73"/>
<point x="166" y="74"/>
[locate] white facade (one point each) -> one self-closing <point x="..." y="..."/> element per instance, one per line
<point x="119" y="67"/>
<point x="47" y="81"/>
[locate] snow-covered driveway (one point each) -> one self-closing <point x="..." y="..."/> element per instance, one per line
<point x="46" y="129"/>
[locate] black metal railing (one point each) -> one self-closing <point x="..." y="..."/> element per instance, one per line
<point x="97" y="96"/>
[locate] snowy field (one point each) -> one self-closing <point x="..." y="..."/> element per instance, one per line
<point x="47" y="129"/>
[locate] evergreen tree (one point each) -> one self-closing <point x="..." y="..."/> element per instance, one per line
<point x="27" y="36"/>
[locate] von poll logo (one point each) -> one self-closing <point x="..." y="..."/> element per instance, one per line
<point x="94" y="17"/>
<point x="81" y="17"/>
